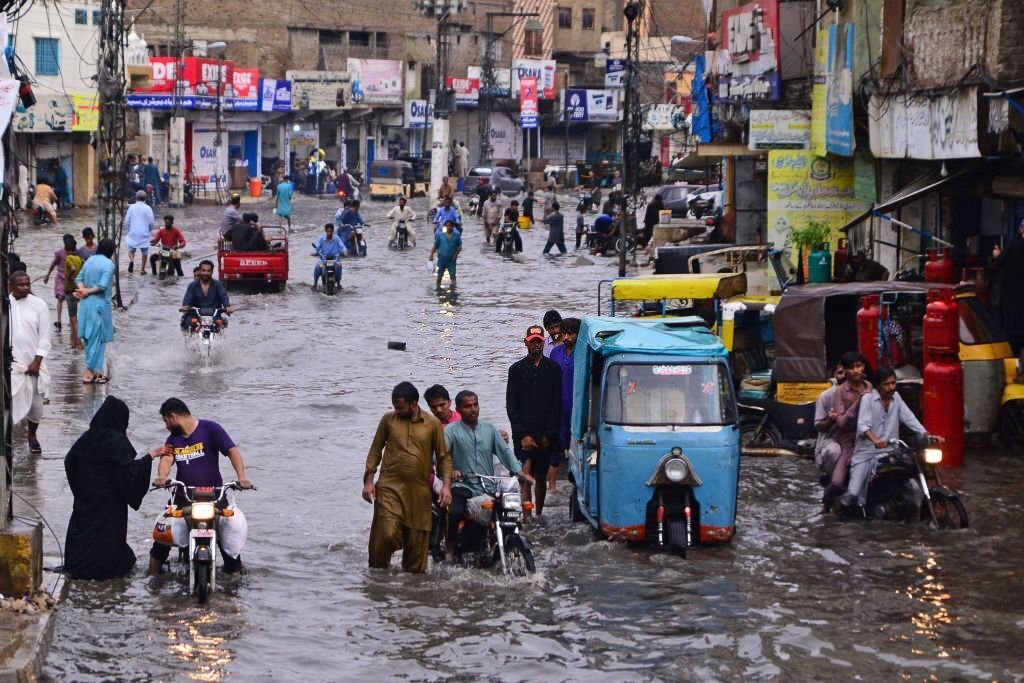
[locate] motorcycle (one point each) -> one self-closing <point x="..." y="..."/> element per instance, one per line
<point x="165" y="264"/>
<point x="40" y="216"/>
<point x="505" y="240"/>
<point x="888" y="489"/>
<point x="611" y="242"/>
<point x="474" y="203"/>
<point x="359" y="241"/>
<point x="150" y="195"/>
<point x="401" y="242"/>
<point x="193" y="528"/>
<point x="330" y="272"/>
<point x="491" y="531"/>
<point x="203" y="321"/>
<point x="586" y="200"/>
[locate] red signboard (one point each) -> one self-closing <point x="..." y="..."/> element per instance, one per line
<point x="750" y="59"/>
<point x="246" y="83"/>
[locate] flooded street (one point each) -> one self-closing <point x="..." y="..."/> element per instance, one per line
<point x="300" y="381"/>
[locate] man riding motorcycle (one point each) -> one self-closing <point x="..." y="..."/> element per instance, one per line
<point x="329" y="246"/>
<point x="473" y="444"/>
<point x="345" y="222"/>
<point x="446" y="213"/>
<point x="168" y="237"/>
<point x="206" y="293"/>
<point x="400" y="214"/>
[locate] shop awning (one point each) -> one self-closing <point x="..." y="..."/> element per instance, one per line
<point x="924" y="184"/>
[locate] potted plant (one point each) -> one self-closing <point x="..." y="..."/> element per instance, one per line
<point x="804" y="240"/>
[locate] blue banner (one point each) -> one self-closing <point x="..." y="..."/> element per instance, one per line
<point x="615" y="73"/>
<point x="839" y="91"/>
<point x="576" y="105"/>
<point x="528" y="121"/>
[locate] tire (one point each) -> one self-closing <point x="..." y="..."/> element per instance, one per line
<point x="767" y="437"/>
<point x="519" y="557"/>
<point x="575" y="514"/>
<point x="202" y="570"/>
<point x="949" y="511"/>
<point x="329" y="285"/>
<point x="630" y="244"/>
<point x="677" y="536"/>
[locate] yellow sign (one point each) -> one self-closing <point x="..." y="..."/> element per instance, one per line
<point x="803" y="187"/>
<point x="819" y="94"/>
<point x="85" y="113"/>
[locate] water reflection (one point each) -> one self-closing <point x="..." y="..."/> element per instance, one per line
<point x="934" y="617"/>
<point x="191" y="642"/>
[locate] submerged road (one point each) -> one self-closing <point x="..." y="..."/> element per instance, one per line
<point x="300" y="381"/>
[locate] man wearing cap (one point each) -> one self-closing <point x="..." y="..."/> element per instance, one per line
<point x="533" y="399"/>
<point x="232" y="216"/>
<point x="138" y="225"/>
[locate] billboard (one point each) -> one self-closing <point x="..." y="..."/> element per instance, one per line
<point x="376" y="81"/>
<point x="86" y="116"/>
<point x="419" y="114"/>
<point x="779" y="129"/>
<point x="52" y="113"/>
<point x="528" y="113"/>
<point x="318" y="90"/>
<point x="839" y="91"/>
<point x="246" y="86"/>
<point x="591" y="105"/>
<point x="615" y="73"/>
<point x="467" y="91"/>
<point x="541" y="69"/>
<point x="275" y="95"/>
<point x="748" y="63"/>
<point x="209" y="160"/>
<point x="502" y="81"/>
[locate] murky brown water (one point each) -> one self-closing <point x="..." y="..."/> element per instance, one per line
<point x="300" y="384"/>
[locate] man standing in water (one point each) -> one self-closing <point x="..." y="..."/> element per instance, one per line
<point x="405" y="445"/>
<point x="533" y="399"/>
<point x="30" y="344"/>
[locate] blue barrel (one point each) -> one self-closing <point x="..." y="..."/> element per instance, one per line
<point x="461" y="184"/>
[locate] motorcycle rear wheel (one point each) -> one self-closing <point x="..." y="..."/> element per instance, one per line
<point x="518" y="557"/>
<point x="329" y="284"/>
<point x="202" y="570"/>
<point x="949" y="511"/>
<point x="630" y="244"/>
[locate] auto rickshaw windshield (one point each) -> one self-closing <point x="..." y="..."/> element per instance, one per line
<point x="639" y="394"/>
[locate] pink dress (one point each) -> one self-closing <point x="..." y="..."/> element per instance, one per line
<point x="59" y="258"/>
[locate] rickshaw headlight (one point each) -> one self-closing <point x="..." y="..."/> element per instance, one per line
<point x="202" y="511"/>
<point x="933" y="456"/>
<point x="676" y="470"/>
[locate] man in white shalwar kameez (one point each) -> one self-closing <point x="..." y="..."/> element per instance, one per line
<point x="30" y="342"/>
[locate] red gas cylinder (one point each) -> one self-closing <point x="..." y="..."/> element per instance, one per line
<point x="867" y="329"/>
<point x="944" y="406"/>
<point x="840" y="259"/>
<point x="939" y="267"/>
<point x="941" y="324"/>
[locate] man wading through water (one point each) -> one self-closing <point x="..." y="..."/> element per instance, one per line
<point x="405" y="445"/>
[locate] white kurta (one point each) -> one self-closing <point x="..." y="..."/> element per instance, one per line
<point x="30" y="337"/>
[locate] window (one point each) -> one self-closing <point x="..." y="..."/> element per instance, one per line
<point x="534" y="39"/>
<point x="97" y="17"/>
<point x="669" y="394"/>
<point x="565" y="17"/>
<point x="588" y="19"/>
<point x="81" y="16"/>
<point x="47" y="57"/>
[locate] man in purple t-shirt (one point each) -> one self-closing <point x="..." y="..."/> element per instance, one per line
<point x="197" y="445"/>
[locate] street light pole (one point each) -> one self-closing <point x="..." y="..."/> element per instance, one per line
<point x="442" y="10"/>
<point x="632" y="198"/>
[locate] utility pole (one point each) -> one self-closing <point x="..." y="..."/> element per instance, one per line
<point x="439" y="147"/>
<point x="633" y="197"/>
<point x="217" y="139"/>
<point x="488" y="83"/>
<point x="176" y="133"/>
<point x="110" y="135"/>
<point x="567" y="115"/>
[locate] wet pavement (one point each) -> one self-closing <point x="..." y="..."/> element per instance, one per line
<point x="300" y="381"/>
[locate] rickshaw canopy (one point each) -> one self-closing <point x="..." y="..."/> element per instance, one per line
<point x="684" y="337"/>
<point x="693" y="286"/>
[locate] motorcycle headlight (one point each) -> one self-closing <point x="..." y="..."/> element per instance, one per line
<point x="202" y="511"/>
<point x="676" y="470"/>
<point x="933" y="456"/>
<point x="512" y="501"/>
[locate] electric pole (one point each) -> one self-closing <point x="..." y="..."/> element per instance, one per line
<point x="439" y="147"/>
<point x="110" y="135"/>
<point x="176" y="133"/>
<point x="633" y="197"/>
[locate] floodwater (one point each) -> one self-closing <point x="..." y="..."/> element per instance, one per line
<point x="300" y="381"/>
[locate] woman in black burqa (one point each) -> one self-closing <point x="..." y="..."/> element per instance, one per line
<point x="104" y="476"/>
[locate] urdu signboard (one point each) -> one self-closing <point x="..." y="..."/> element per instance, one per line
<point x="318" y="90"/>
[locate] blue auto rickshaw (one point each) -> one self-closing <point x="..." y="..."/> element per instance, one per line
<point x="655" y="453"/>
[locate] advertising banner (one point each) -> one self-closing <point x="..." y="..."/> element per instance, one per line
<point x="543" y="70"/>
<point x="86" y="113"/>
<point x="591" y="105"/>
<point x="52" y="113"/>
<point x="665" y="117"/>
<point x="504" y="138"/>
<point x="164" y="70"/>
<point x="803" y="187"/>
<point x="467" y="91"/>
<point x="318" y="90"/>
<point x="839" y="96"/>
<point x="615" y="73"/>
<point x="8" y="100"/>
<point x="416" y="113"/>
<point x="376" y="81"/>
<point x="275" y="95"/>
<point x="780" y="129"/>
<point x="945" y="127"/>
<point x="576" y="106"/>
<point x="528" y="113"/>
<point x="209" y="160"/>
<point x="748" y="63"/>
<point x="819" y="94"/>
<point x="502" y="81"/>
<point x="246" y="86"/>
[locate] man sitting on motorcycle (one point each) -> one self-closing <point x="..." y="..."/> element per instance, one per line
<point x="878" y="423"/>
<point x="329" y="246"/>
<point x="45" y="199"/>
<point x="400" y="214"/>
<point x="345" y="222"/>
<point x="473" y="443"/>
<point x="196" y="444"/>
<point x="511" y="218"/>
<point x="604" y="229"/>
<point x="168" y="237"/>
<point x="446" y="213"/>
<point x="205" y="293"/>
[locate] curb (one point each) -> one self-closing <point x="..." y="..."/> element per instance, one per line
<point x="27" y="662"/>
